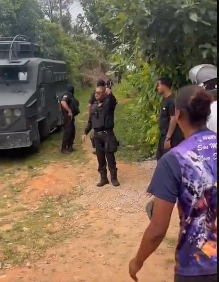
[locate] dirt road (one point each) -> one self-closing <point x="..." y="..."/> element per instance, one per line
<point x="105" y="233"/>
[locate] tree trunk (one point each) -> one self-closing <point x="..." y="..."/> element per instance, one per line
<point x="60" y="12"/>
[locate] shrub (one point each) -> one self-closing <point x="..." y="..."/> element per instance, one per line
<point x="136" y="119"/>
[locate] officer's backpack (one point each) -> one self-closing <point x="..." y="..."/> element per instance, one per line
<point x="75" y="106"/>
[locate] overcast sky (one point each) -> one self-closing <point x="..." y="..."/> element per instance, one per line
<point x="76" y="9"/>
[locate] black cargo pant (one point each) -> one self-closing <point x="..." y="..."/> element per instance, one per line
<point x="161" y="151"/>
<point x="106" y="145"/>
<point x="69" y="133"/>
<point x="210" y="278"/>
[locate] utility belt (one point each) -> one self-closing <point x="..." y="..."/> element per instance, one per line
<point x="97" y="133"/>
<point x="102" y="132"/>
<point x="111" y="144"/>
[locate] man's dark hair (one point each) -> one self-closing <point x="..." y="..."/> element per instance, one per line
<point x="195" y="102"/>
<point x="166" y="81"/>
<point x="101" y="83"/>
<point x="211" y="86"/>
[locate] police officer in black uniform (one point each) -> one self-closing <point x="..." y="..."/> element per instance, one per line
<point x="92" y="100"/>
<point x="69" y="110"/>
<point x="101" y="119"/>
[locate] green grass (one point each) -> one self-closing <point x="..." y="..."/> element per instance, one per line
<point x="22" y="160"/>
<point x="127" y="134"/>
<point x="26" y="234"/>
<point x="5" y="201"/>
<point x="27" y="239"/>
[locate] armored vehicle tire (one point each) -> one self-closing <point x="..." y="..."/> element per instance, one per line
<point x="59" y="128"/>
<point x="36" y="144"/>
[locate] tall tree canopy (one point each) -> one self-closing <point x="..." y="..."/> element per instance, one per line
<point x="94" y="12"/>
<point x="155" y="37"/>
<point x="19" y="17"/>
<point x="168" y="31"/>
<point x="52" y="8"/>
<point x="40" y="20"/>
<point x="58" y="11"/>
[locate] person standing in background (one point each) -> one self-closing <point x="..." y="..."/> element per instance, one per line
<point x="92" y="100"/>
<point x="206" y="77"/>
<point x="101" y="120"/>
<point x="170" y="133"/>
<point x="70" y="109"/>
<point x="186" y="175"/>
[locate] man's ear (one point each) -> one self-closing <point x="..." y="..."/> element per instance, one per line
<point x="108" y="91"/>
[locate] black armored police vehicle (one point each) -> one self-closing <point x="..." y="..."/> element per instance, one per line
<point x="30" y="88"/>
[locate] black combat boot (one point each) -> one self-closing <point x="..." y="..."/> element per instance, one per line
<point x="65" y="151"/>
<point x="71" y="149"/>
<point x="114" y="178"/>
<point x="103" y="180"/>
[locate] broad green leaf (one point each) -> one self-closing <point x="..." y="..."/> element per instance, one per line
<point x="194" y="17"/>
<point x="205" y="53"/>
<point x="207" y="46"/>
<point x="187" y="28"/>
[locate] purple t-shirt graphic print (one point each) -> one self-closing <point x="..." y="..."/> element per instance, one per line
<point x="188" y="175"/>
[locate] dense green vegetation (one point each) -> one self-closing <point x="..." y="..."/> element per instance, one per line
<point x="157" y="38"/>
<point x="136" y="123"/>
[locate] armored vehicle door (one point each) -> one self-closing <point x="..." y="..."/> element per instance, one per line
<point x="48" y="99"/>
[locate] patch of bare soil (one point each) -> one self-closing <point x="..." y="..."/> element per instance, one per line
<point x="57" y="179"/>
<point x="110" y="231"/>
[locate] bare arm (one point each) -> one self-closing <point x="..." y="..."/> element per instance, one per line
<point x="65" y="106"/>
<point x="112" y="102"/>
<point x="156" y="231"/>
<point x="173" y="123"/>
<point x="172" y="127"/>
<point x="89" y="108"/>
<point x="164" y="186"/>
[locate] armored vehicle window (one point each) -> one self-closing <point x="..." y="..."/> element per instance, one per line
<point x="13" y="74"/>
<point x="60" y="76"/>
<point x="22" y="76"/>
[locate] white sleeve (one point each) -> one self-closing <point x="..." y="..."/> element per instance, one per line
<point x="212" y="122"/>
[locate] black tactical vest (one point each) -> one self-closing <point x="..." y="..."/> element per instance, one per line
<point x="100" y="117"/>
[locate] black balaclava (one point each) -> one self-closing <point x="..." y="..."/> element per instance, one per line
<point x="71" y="89"/>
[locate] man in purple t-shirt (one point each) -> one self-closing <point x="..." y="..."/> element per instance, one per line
<point x="187" y="175"/>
